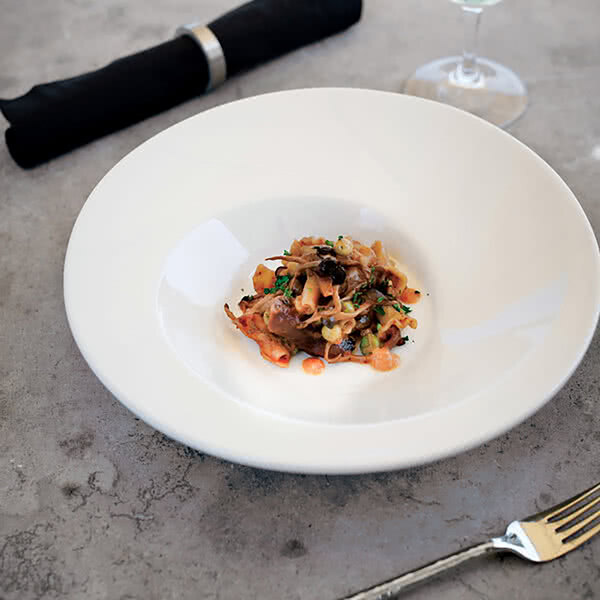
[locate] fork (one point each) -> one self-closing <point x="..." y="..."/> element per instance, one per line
<point x="539" y="538"/>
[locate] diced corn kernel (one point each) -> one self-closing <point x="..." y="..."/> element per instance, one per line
<point x="332" y="334"/>
<point x="348" y="307"/>
<point x="343" y="247"/>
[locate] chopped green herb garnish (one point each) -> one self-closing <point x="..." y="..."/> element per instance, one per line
<point x="287" y="292"/>
<point x="405" y="339"/>
<point x="357" y="299"/>
<point x="329" y="243"/>
<point x="286" y="253"/>
<point x="248" y="298"/>
<point x="380" y="299"/>
<point x="340" y="237"/>
<point x="402" y="307"/>
<point x="378" y="326"/>
<point x="379" y="310"/>
<point x="280" y="285"/>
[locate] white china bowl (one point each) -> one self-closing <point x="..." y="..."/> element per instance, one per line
<point x="503" y="253"/>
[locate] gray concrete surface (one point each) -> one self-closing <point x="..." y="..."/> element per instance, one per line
<point x="94" y="504"/>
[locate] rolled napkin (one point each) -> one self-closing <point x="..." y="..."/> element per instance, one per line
<point x="56" y="117"/>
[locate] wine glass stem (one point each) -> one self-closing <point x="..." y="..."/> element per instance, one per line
<point x="468" y="73"/>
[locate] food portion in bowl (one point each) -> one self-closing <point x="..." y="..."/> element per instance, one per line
<point x="339" y="300"/>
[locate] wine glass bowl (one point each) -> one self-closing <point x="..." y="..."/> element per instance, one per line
<point x="478" y="85"/>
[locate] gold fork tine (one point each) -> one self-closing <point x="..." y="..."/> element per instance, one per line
<point x="571" y="545"/>
<point x="566" y="531"/>
<point x="554" y="514"/>
<point x="568" y="522"/>
<point x="581" y="525"/>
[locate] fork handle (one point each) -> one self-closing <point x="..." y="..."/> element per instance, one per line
<point x="388" y="589"/>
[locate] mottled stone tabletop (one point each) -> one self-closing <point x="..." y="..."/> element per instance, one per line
<point x="95" y="504"/>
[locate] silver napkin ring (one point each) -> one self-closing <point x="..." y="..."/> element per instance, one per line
<point x="207" y="40"/>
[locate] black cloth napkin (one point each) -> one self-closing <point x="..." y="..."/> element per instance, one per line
<point x="56" y="117"/>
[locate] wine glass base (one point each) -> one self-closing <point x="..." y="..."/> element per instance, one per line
<point x="497" y="95"/>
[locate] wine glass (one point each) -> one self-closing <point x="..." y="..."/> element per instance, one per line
<point x="478" y="85"/>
